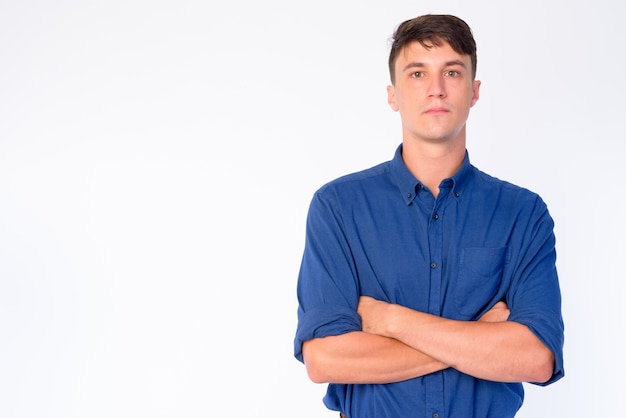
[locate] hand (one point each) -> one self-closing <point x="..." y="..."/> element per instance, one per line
<point x="372" y="313"/>
<point x="498" y="313"/>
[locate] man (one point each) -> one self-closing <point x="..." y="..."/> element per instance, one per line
<point x="427" y="287"/>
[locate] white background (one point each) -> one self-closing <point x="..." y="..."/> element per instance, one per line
<point x="157" y="159"/>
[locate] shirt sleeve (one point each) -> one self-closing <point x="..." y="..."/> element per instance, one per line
<point x="327" y="289"/>
<point x="535" y="300"/>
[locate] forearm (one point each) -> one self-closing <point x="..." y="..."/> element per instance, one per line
<point x="362" y="358"/>
<point x="500" y="351"/>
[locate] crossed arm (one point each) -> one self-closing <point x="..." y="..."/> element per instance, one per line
<point x="398" y="343"/>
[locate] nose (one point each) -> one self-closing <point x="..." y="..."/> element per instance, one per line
<point x="436" y="89"/>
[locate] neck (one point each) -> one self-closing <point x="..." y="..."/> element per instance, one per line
<point x="430" y="163"/>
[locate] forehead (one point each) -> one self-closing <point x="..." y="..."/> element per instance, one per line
<point x="415" y="52"/>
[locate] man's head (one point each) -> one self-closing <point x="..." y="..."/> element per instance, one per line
<point x="433" y="69"/>
<point x="432" y="31"/>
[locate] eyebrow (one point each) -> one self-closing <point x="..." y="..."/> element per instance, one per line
<point x="422" y="65"/>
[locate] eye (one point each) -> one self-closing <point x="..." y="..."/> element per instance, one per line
<point x="417" y="74"/>
<point x="451" y="73"/>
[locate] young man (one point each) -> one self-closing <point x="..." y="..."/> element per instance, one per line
<point x="427" y="287"/>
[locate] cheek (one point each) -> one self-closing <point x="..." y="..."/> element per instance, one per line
<point x="404" y="102"/>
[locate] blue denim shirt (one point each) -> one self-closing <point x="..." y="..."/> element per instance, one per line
<point x="381" y="233"/>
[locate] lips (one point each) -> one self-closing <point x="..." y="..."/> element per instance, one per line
<point x="437" y="111"/>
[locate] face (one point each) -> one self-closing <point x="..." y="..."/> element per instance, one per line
<point x="433" y="92"/>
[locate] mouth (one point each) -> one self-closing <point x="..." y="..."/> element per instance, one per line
<point x="437" y="111"/>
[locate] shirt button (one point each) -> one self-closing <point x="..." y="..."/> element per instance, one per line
<point x="457" y="194"/>
<point x="435" y="415"/>
<point x="436" y="216"/>
<point x="433" y="265"/>
<point x="409" y="195"/>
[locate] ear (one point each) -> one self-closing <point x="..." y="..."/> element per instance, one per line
<point x="391" y="98"/>
<point x="475" y="92"/>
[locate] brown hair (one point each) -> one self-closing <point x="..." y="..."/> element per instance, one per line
<point x="432" y="31"/>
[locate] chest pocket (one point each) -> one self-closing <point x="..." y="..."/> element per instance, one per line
<point x="479" y="278"/>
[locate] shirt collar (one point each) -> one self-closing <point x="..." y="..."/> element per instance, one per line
<point x="409" y="185"/>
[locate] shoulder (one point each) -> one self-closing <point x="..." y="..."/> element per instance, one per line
<point x="505" y="191"/>
<point x="357" y="180"/>
<point x="490" y="184"/>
